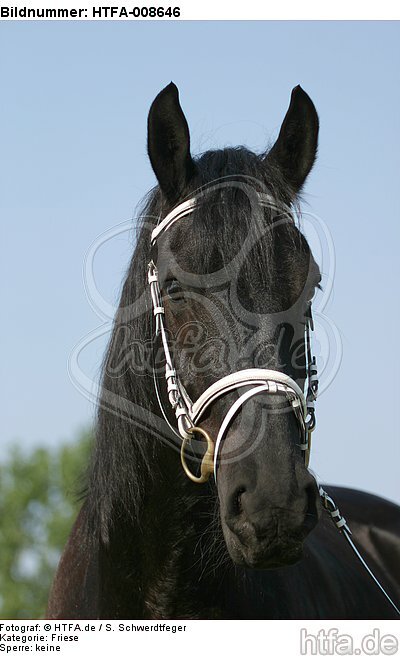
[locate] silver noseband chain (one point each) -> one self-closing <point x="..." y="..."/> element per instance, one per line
<point x="260" y="381"/>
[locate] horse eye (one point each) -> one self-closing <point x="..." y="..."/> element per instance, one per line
<point x="174" y="291"/>
<point x="312" y="292"/>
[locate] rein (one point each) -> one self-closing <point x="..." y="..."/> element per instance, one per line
<point x="260" y="381"/>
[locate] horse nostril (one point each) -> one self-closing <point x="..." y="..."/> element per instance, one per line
<point x="236" y="502"/>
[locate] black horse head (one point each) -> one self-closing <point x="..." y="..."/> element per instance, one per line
<point x="237" y="281"/>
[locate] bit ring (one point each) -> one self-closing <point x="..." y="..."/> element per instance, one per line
<point x="207" y="464"/>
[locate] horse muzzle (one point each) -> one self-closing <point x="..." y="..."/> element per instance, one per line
<point x="263" y="530"/>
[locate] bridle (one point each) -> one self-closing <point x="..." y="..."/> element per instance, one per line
<point x="260" y="381"/>
<point x="257" y="381"/>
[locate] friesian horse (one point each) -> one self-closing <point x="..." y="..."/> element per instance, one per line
<point x="236" y="279"/>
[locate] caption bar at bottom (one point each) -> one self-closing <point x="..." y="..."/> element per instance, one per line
<point x="347" y="638"/>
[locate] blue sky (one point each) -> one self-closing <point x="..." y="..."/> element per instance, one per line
<point x="74" y="103"/>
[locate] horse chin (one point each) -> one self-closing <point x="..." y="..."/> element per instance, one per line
<point x="264" y="556"/>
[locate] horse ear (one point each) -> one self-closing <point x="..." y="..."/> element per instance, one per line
<point x="295" y="149"/>
<point x="168" y="143"/>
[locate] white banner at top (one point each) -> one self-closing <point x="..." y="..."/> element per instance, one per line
<point x="185" y="10"/>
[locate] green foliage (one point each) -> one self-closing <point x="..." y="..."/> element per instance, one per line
<point x="38" y="505"/>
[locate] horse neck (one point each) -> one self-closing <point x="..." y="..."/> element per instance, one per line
<point x="158" y="538"/>
<point x="179" y="565"/>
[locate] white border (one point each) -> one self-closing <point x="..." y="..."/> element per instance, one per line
<point x="221" y="10"/>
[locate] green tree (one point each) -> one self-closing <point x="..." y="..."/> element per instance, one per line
<point x="38" y="505"/>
